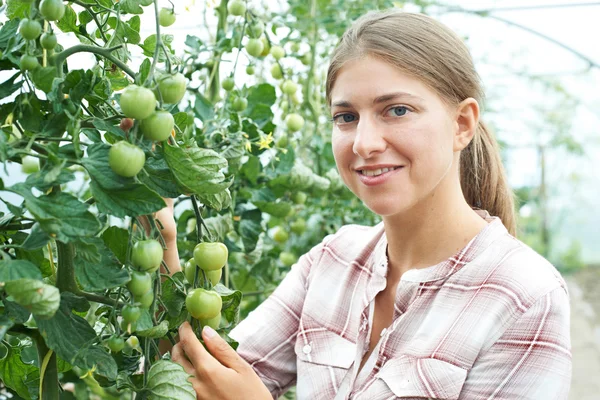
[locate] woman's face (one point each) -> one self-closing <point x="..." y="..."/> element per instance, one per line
<point x="385" y="120"/>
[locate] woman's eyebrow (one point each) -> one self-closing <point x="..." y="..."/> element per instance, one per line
<point x="381" y="99"/>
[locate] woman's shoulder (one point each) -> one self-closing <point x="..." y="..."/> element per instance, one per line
<point x="513" y="266"/>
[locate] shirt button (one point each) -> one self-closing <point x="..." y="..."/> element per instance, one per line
<point x="382" y="268"/>
<point x="306" y="349"/>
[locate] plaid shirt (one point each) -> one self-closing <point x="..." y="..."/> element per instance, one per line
<point x="491" y="322"/>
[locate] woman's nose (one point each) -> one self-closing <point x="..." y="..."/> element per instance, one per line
<point x="369" y="139"/>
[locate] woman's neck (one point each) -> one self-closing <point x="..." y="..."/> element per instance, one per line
<point x="430" y="233"/>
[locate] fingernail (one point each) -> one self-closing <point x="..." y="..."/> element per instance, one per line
<point x="209" y="332"/>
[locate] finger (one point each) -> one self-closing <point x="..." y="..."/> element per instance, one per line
<point x="222" y="351"/>
<point x="195" y="351"/>
<point x="179" y="357"/>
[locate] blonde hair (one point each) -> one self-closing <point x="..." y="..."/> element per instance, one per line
<point x="424" y="48"/>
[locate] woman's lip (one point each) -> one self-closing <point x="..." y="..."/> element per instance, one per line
<point x="379" y="179"/>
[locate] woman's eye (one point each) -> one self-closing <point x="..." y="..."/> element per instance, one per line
<point x="344" y="118"/>
<point x="398" y="111"/>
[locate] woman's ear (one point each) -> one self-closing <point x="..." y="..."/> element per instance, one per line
<point x="467" y="119"/>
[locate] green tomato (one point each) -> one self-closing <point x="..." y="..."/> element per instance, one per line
<point x="288" y="259"/>
<point x="277" y="52"/>
<point x="137" y="102"/>
<point x="276" y="72"/>
<point x="146" y="299"/>
<point x="158" y="126"/>
<point x="294" y="122"/>
<point x="147" y="255"/>
<point x="236" y="8"/>
<point x="266" y="46"/>
<point x="280" y="235"/>
<point x="295" y="47"/>
<point x="140" y="283"/>
<point x="133" y="342"/>
<point x="172" y="88"/>
<point x="250" y="70"/>
<point x="210" y="256"/>
<point x="30" y="164"/>
<point x="256" y="29"/>
<point x="228" y="84"/>
<point x="166" y="17"/>
<point x="299" y="197"/>
<point x="48" y="40"/>
<point x="203" y="304"/>
<point x="239" y="104"/>
<point x="52" y="10"/>
<point x="254" y="47"/>
<point x="131" y="313"/>
<point x="283" y="141"/>
<point x="29" y="63"/>
<point x="298" y="226"/>
<point x="115" y="344"/>
<point x="126" y="159"/>
<point x="212" y="322"/>
<point x="289" y="87"/>
<point x="30" y="29"/>
<point x="190" y="273"/>
<point x="306" y="59"/>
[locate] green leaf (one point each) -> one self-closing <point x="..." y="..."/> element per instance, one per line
<point x="95" y="267"/>
<point x="261" y="94"/>
<point x="218" y="201"/>
<point x="204" y="109"/>
<point x="173" y="298"/>
<point x="252" y="168"/>
<point x="105" y="126"/>
<point x="266" y="201"/>
<point x="145" y="69"/>
<point x="156" y="332"/>
<point x="49" y="176"/>
<point x="37" y="238"/>
<point x="17" y="313"/>
<point x="34" y="295"/>
<point x="80" y="347"/>
<point x="197" y="170"/>
<point x="85" y="17"/>
<point x="42" y="78"/>
<point x="61" y="215"/>
<point x="68" y="23"/>
<point x="150" y="44"/>
<point x="5" y="324"/>
<point x="158" y="176"/>
<point x="168" y="381"/>
<point x="117" y="240"/>
<point x="135" y="200"/>
<point x="14" y="373"/>
<point x="261" y="114"/>
<point x="16" y="269"/>
<point x="131" y="7"/>
<point x="8" y="87"/>
<point x="17" y="9"/>
<point x="231" y="302"/>
<point x="250" y="229"/>
<point x="219" y="226"/>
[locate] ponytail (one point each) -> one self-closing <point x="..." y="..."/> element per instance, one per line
<point x="483" y="179"/>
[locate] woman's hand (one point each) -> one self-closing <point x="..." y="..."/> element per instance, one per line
<point x="224" y="374"/>
<point x="165" y="217"/>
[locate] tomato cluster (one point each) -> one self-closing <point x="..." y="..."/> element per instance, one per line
<point x="208" y="261"/>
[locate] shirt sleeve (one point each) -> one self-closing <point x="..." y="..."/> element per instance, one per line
<point x="267" y="335"/>
<point x="532" y="359"/>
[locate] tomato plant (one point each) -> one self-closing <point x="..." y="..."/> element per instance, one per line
<point x="95" y="141"/>
<point x="166" y="17"/>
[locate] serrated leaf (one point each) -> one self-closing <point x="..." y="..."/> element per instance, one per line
<point x="117" y="240"/>
<point x="15" y="374"/>
<point x="136" y="200"/>
<point x="34" y="295"/>
<point x="156" y="332"/>
<point x="95" y="267"/>
<point x="68" y="23"/>
<point x="81" y="346"/>
<point x="169" y="381"/>
<point x="231" y="302"/>
<point x="11" y="270"/>
<point x="42" y="78"/>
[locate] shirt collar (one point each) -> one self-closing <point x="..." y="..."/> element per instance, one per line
<point x="480" y="242"/>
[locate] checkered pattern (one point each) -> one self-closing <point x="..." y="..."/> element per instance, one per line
<point x="491" y="322"/>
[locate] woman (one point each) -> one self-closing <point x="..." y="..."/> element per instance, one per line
<point x="437" y="301"/>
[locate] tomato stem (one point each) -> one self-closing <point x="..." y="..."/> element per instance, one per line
<point x="49" y="389"/>
<point x="59" y="58"/>
<point x="65" y="273"/>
